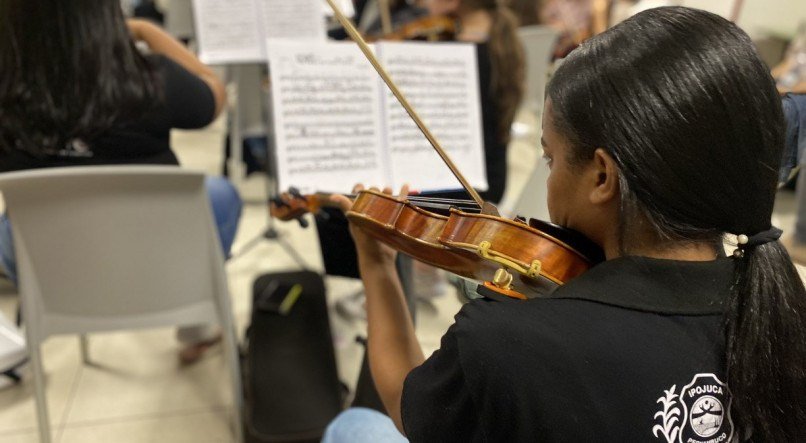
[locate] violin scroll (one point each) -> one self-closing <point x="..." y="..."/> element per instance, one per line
<point x="292" y="205"/>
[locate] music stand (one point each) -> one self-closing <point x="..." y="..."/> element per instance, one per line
<point x="245" y="78"/>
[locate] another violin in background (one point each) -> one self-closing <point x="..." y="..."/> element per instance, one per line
<point x="430" y="28"/>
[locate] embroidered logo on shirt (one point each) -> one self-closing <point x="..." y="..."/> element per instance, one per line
<point x="698" y="413"/>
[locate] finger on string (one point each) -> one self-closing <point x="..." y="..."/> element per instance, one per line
<point x="404" y="190"/>
<point x="387" y="190"/>
<point x="358" y="188"/>
<point x="375" y="189"/>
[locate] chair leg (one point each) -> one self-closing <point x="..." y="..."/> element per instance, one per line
<point x="231" y="354"/>
<point x="39" y="392"/>
<point x="84" y="346"/>
<point x="233" y="363"/>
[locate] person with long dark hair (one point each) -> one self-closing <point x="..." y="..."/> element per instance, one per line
<point x="492" y="26"/>
<point x="75" y="90"/>
<point x="663" y="135"/>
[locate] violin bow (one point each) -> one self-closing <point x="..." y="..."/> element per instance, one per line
<point x="356" y="36"/>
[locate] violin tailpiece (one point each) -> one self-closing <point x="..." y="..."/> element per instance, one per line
<point x="532" y="270"/>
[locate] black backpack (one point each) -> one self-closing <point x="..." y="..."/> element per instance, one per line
<point x="291" y="384"/>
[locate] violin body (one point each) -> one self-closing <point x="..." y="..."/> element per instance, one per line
<point x="477" y="246"/>
<point x="413" y="231"/>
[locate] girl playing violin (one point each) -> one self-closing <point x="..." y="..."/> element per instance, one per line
<point x="492" y="27"/>
<point x="667" y="339"/>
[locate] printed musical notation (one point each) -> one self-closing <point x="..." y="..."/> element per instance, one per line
<point x="299" y="19"/>
<point x="441" y="83"/>
<point x="336" y="124"/>
<point x="235" y="31"/>
<point x="327" y="116"/>
<point x="227" y="30"/>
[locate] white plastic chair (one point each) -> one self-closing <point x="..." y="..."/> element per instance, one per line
<point x="532" y="202"/>
<point x="13" y="352"/>
<point x="538" y="42"/>
<point x="116" y="247"/>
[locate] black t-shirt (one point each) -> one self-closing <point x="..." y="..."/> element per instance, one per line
<point x="632" y="350"/>
<point x="187" y="103"/>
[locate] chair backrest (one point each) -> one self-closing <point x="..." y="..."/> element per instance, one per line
<point x="533" y="199"/>
<point x="114" y="247"/>
<point x="538" y="42"/>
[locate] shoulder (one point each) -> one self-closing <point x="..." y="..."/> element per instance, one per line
<point x="189" y="100"/>
<point x="487" y="330"/>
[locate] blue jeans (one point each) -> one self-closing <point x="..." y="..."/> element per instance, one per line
<point x="362" y="425"/>
<point x="794" y="106"/>
<point x="224" y="200"/>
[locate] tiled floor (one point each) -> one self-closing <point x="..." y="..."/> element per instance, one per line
<point x="136" y="392"/>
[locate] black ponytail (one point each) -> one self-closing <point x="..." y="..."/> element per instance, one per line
<point x="681" y="101"/>
<point x="766" y="345"/>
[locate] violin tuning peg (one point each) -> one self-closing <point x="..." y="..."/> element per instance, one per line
<point x="295" y="193"/>
<point x="278" y="202"/>
<point x="303" y="222"/>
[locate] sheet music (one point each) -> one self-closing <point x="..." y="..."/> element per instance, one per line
<point x="235" y="31"/>
<point x="346" y="7"/>
<point x="299" y="19"/>
<point x="440" y="80"/>
<point x="327" y="117"/>
<point x="228" y="31"/>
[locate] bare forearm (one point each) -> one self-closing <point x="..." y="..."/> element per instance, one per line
<point x="393" y="347"/>
<point x="161" y="42"/>
<point x="799" y="88"/>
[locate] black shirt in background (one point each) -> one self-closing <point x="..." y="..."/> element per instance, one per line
<point x="597" y="361"/>
<point x="188" y="104"/>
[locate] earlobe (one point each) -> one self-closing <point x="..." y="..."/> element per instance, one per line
<point x="606" y="187"/>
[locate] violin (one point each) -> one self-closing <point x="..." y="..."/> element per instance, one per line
<point x="455" y="236"/>
<point x="431" y="28"/>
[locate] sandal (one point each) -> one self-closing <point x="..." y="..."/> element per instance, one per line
<point x="193" y="353"/>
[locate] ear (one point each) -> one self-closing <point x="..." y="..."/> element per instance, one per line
<point x="606" y="183"/>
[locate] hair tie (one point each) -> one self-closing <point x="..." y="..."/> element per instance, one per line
<point x="761" y="238"/>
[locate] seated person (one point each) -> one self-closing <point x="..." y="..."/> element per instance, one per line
<point x="790" y="78"/>
<point x="663" y="134"/>
<point x="96" y="100"/>
<point x="492" y="27"/>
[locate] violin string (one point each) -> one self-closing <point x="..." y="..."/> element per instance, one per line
<point x="419" y="198"/>
<point x="444" y="207"/>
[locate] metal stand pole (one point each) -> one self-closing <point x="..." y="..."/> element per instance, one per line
<point x="236" y="144"/>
